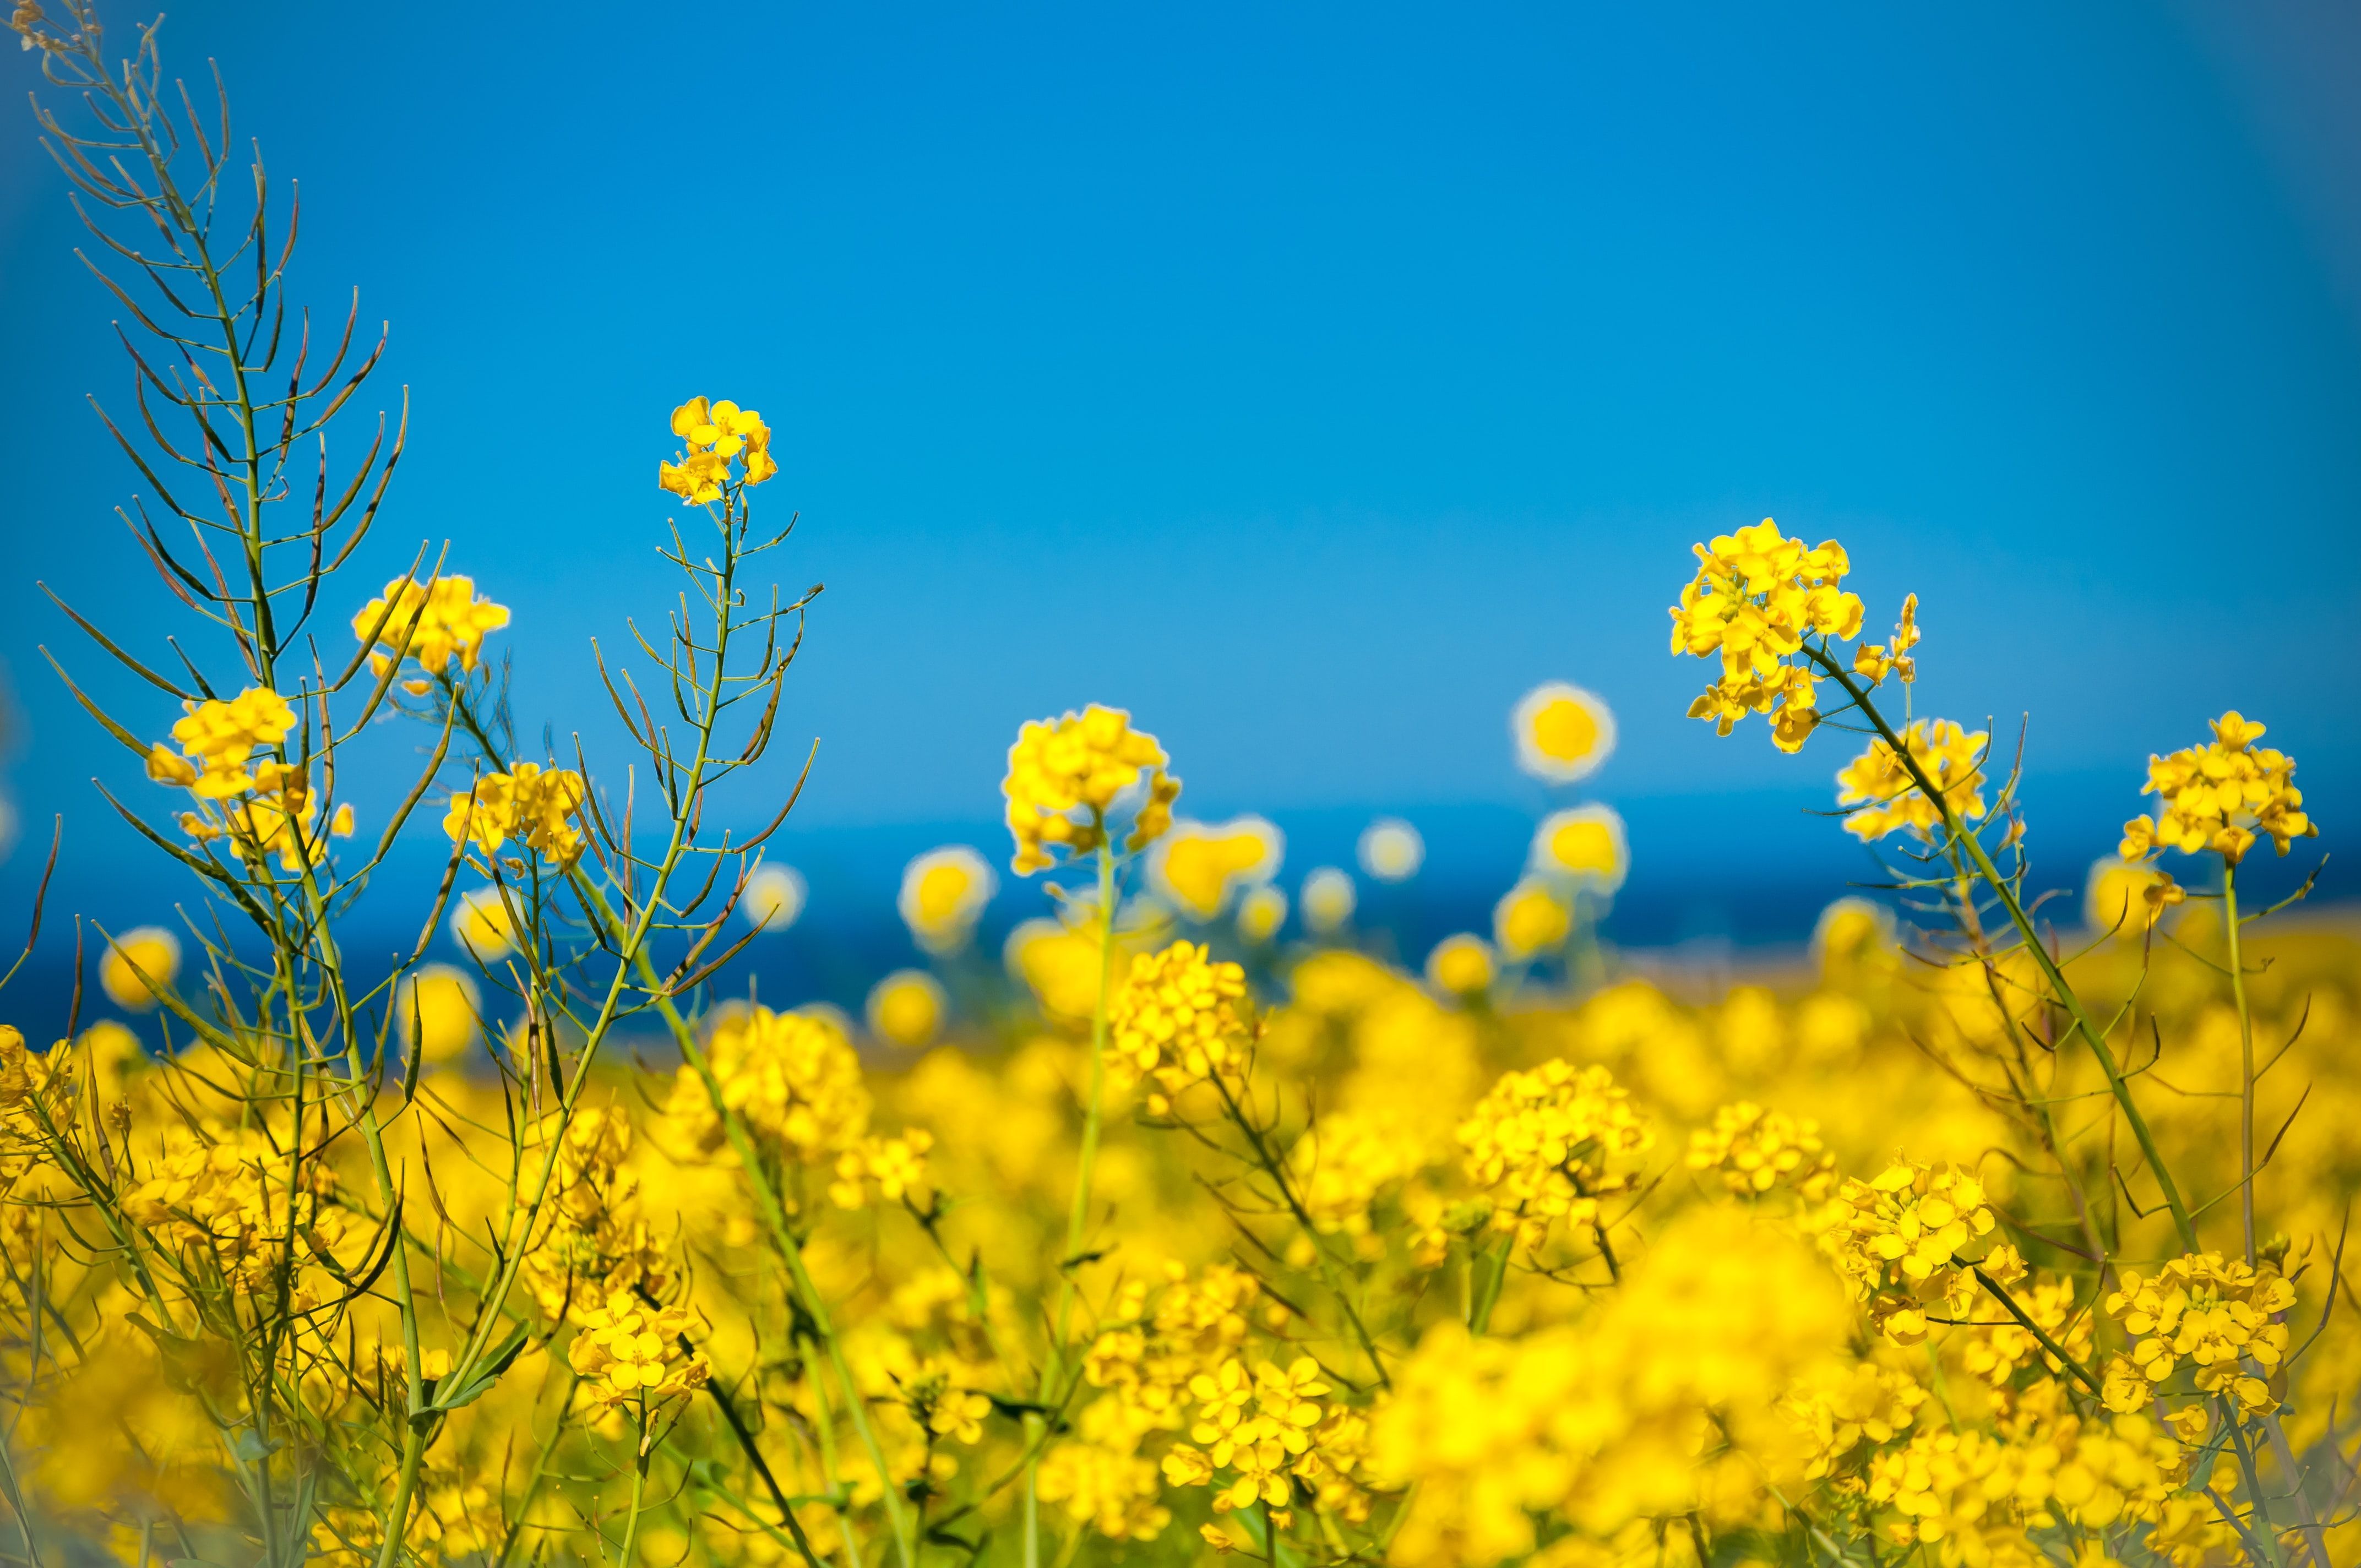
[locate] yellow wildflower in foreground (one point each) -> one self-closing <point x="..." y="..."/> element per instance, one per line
<point x="943" y="895"/>
<point x="1897" y="1237"/>
<point x="143" y="958"/>
<point x="1198" y="865"/>
<point x="2218" y="796"/>
<point x="1180" y="1018"/>
<point x="1065" y="776"/>
<point x="440" y="620"/>
<point x="1547" y="1145"/>
<point x="792" y="1076"/>
<point x="217" y="738"/>
<point x="1756" y="599"/>
<point x="1882" y="785"/>
<point x="714" y="433"/>
<point x="1563" y="733"/>
<point x="531" y="803"/>
<point x="2214" y="1315"/>
<point x="628" y="1352"/>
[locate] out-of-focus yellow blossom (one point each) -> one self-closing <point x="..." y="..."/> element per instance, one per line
<point x="893" y="1168"/>
<point x="1059" y="963"/>
<point x="593" y="1239"/>
<point x="139" y="963"/>
<point x="1878" y="659"/>
<point x="280" y="817"/>
<point x="2126" y="897"/>
<point x="1113" y="1492"/>
<point x="482" y="926"/>
<point x="1328" y="900"/>
<point x="1850" y="933"/>
<point x="629" y="1352"/>
<point x="1847" y="1405"/>
<point x="1462" y="965"/>
<point x="1755" y="1150"/>
<point x="1879" y="785"/>
<point x="1178" y="1018"/>
<point x="216" y="740"/>
<point x="1391" y="849"/>
<point x="774" y="897"/>
<point x="712" y="434"/>
<point x="1896" y="1236"/>
<point x="1065" y="776"/>
<point x="439" y="620"/>
<point x="1530" y="918"/>
<point x="1547" y="1145"/>
<point x="1563" y="733"/>
<point x="438" y="1012"/>
<point x="792" y="1076"/>
<point x="1261" y="911"/>
<point x="2219" y="1316"/>
<point x="907" y="1008"/>
<point x="530" y="803"/>
<point x="1342" y="1166"/>
<point x="1998" y="1348"/>
<point x="1583" y="846"/>
<point x="221" y="1197"/>
<point x="1756" y="599"/>
<point x="2219" y="796"/>
<point x="943" y="895"/>
<point x="1198" y="865"/>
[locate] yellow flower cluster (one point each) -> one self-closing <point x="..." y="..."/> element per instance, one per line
<point x="2219" y="796"/>
<point x="1266" y="1429"/>
<point x="1178" y="1018"/>
<point x="792" y="1077"/>
<point x="439" y="620"/>
<point x="1755" y="1150"/>
<point x="593" y="1240"/>
<point x="221" y="1195"/>
<point x="1878" y="659"/>
<point x="1886" y="794"/>
<point x="1547" y="1145"/>
<point x="629" y="1352"/>
<point x="894" y="1168"/>
<point x="281" y="817"/>
<point x="1897" y="1237"/>
<point x="217" y="738"/>
<point x="1065" y="776"/>
<point x="1756" y="599"/>
<point x="2219" y="1317"/>
<point x="713" y="434"/>
<point x="534" y="804"/>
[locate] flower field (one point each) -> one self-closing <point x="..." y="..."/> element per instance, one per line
<point x="2002" y="1232"/>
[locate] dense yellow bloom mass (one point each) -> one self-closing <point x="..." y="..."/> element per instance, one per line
<point x="217" y="738"/>
<point x="439" y="621"/>
<point x="1885" y="793"/>
<point x="792" y="1077"/>
<point x="2216" y="1316"/>
<point x="1547" y="1145"/>
<point x="1898" y="1236"/>
<point x="1178" y="1018"/>
<point x="1757" y="597"/>
<point x="2219" y="796"/>
<point x="534" y="804"/>
<point x="1754" y="1150"/>
<point x="714" y="435"/>
<point x="628" y="1352"/>
<point x="1066" y="774"/>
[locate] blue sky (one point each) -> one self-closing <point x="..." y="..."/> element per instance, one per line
<point x="1314" y="381"/>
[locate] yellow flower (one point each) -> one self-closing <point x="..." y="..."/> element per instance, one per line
<point x="441" y="619"/>
<point x="1888" y="797"/>
<point x="943" y="895"/>
<point x="142" y="958"/>
<point x="2216" y="1315"/>
<point x="218" y="737"/>
<point x="894" y="1167"/>
<point x="531" y="803"/>
<point x="438" y="1012"/>
<point x="1547" y="1145"/>
<point x="1875" y="661"/>
<point x="1392" y="851"/>
<point x="1197" y="866"/>
<point x="1583" y="846"/>
<point x="1757" y="597"/>
<point x="2219" y="796"/>
<point x="1563" y="733"/>
<point x="1179" y="1017"/>
<point x="1262" y="913"/>
<point x="712" y="436"/>
<point x="907" y="1008"/>
<point x="1756" y="1150"/>
<point x="480" y="924"/>
<point x="1895" y="1238"/>
<point x="1065" y="776"/>
<point x="1461" y="965"/>
<point x="280" y="816"/>
<point x="2126" y="897"/>
<point x="1530" y="918"/>
<point x="1328" y="900"/>
<point x="773" y="898"/>
<point x="629" y="1352"/>
<point x="792" y="1076"/>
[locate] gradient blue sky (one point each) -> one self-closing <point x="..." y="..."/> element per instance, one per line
<point x="1315" y="379"/>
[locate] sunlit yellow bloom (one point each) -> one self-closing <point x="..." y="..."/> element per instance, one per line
<point x="2126" y="897"/>
<point x="1547" y="1145"/>
<point x="1583" y="846"/>
<point x="792" y="1076"/>
<point x="1896" y="1237"/>
<point x="1875" y="661"/>
<point x="438" y="1011"/>
<point x="1530" y="918"/>
<point x="1059" y="963"/>
<point x="531" y="803"/>
<point x="629" y="1352"/>
<point x="1757" y="597"/>
<point x="2216" y="1315"/>
<point x="1755" y="1150"/>
<point x="142" y="958"/>
<point x="773" y="898"/>
<point x="713" y="434"/>
<point x="1461" y="965"/>
<point x="1262" y="913"/>
<point x="943" y="895"/>
<point x="907" y="1008"/>
<point x="2220" y="797"/>
<point x="1888" y="797"/>
<point x="1563" y="733"/>
<point x="482" y="924"/>
<point x="1179" y="1017"/>
<point x="280" y="817"/>
<point x="1198" y="865"/>
<point x="1328" y="900"/>
<point x="1391" y="849"/>
<point x="441" y="620"/>
<point x="1065" y="776"/>
<point x="890" y="1168"/>
<point x="218" y="737"/>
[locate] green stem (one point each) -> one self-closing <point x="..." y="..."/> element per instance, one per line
<point x="639" y="1492"/>
<point x="2246" y="1057"/>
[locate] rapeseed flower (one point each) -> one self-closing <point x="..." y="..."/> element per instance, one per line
<point x="438" y="1012"/>
<point x="774" y="897"/>
<point x="943" y="895"/>
<point x="1884" y="791"/>
<point x="529" y="803"/>
<point x="1758" y="597"/>
<point x="1198" y="865"/>
<point x="1067" y="774"/>
<point x="1461" y="965"/>
<point x="217" y="738"/>
<point x="2219" y="1316"/>
<point x="1180" y="1018"/>
<point x="1391" y="849"/>
<point x="1584" y="848"/>
<point x="2220" y="797"/>
<point x="907" y="1008"/>
<point x="1530" y="919"/>
<point x="482" y="925"/>
<point x="1547" y="1145"/>
<point x="2126" y="897"/>
<point x="1327" y="899"/>
<point x="714" y="435"/>
<point x="139" y="963"/>
<point x="1261" y="911"/>
<point x="1563" y="733"/>
<point x="627" y="1352"/>
<point x="441" y="620"/>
